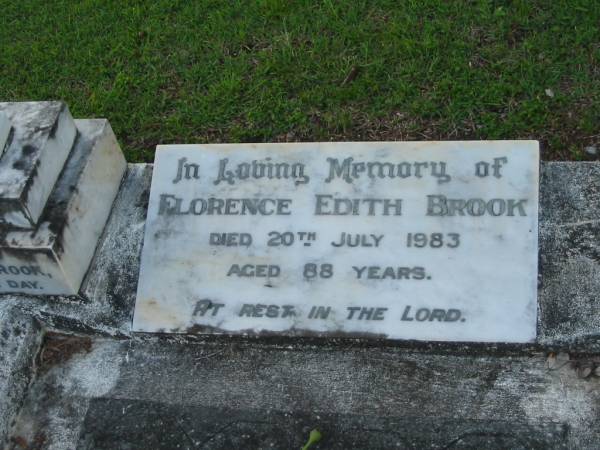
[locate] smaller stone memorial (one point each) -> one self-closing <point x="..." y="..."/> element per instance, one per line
<point x="52" y="255"/>
<point x="398" y="240"/>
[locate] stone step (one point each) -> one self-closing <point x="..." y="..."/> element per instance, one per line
<point x="42" y="139"/>
<point x="4" y="131"/>
<point x="127" y="394"/>
<point x="53" y="258"/>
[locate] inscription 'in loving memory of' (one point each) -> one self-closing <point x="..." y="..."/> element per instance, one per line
<point x="347" y="170"/>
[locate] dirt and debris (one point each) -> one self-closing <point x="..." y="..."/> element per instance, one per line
<point x="20" y="443"/>
<point x="584" y="366"/>
<point x="59" y="348"/>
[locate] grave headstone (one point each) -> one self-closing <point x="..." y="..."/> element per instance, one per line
<point x="52" y="256"/>
<point x="414" y="240"/>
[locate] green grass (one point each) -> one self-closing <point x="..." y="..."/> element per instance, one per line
<point x="169" y="71"/>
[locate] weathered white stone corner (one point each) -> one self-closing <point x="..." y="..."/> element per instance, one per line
<point x="4" y="131"/>
<point x="53" y="258"/>
<point x="43" y="135"/>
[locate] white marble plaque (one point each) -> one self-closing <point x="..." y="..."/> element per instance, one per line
<point x="432" y="241"/>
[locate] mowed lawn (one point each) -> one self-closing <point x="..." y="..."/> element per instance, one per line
<point x="167" y="71"/>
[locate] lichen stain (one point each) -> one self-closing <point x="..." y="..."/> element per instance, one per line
<point x="150" y="311"/>
<point x="58" y="348"/>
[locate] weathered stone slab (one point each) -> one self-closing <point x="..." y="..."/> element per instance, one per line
<point x="431" y="241"/>
<point x="155" y="425"/>
<point x="4" y="131"/>
<point x="570" y="253"/>
<point x="160" y="394"/>
<point x="43" y="135"/>
<point x="54" y="258"/>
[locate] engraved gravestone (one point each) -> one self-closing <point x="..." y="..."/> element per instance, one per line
<point x="400" y="240"/>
